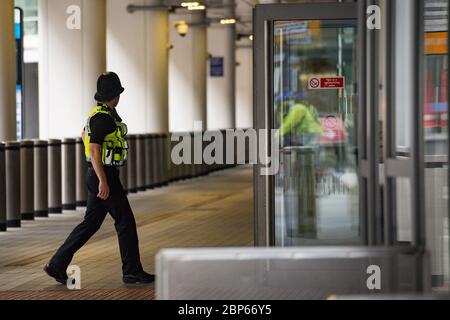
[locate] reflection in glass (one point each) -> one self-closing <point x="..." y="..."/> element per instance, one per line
<point x="435" y="125"/>
<point x="316" y="189"/>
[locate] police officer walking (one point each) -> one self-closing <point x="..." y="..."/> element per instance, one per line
<point x="106" y="147"/>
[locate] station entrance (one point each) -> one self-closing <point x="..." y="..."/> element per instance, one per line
<point x="347" y="99"/>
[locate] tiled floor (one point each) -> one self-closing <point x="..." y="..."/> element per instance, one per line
<point x="212" y="211"/>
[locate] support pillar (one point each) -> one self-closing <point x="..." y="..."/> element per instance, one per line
<point x="244" y="84"/>
<point x="73" y="36"/>
<point x="138" y="53"/>
<point x="187" y="73"/>
<point x="8" y="72"/>
<point x="221" y="85"/>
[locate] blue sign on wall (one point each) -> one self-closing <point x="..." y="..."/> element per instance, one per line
<point x="216" y="66"/>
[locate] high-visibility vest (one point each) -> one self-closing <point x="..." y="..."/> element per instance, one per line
<point x="114" y="146"/>
<point x="300" y="120"/>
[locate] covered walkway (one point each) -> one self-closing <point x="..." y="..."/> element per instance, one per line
<point x="210" y="211"/>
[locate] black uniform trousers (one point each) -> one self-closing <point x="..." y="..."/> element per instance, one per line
<point x="119" y="208"/>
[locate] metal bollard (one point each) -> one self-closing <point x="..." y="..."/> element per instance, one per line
<point x="172" y="166"/>
<point x="156" y="161"/>
<point x="26" y="180"/>
<point x="2" y="188"/>
<point x="80" y="171"/>
<point x="68" y="174"/>
<point x="131" y="165"/>
<point x="165" y="160"/>
<point x="148" y="162"/>
<point x="54" y="176"/>
<point x="184" y="169"/>
<point x="198" y="135"/>
<point x="41" y="176"/>
<point x="123" y="174"/>
<point x="204" y="167"/>
<point x="224" y="135"/>
<point x="195" y="167"/>
<point x="140" y="162"/>
<point x="12" y="151"/>
<point x="192" y="166"/>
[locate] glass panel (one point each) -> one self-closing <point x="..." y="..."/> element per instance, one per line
<point x="404" y="85"/>
<point x="403" y="210"/>
<point x="30" y="10"/>
<point x="436" y="139"/>
<point x="316" y="189"/>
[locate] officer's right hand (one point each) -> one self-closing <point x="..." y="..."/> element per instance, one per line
<point x="103" y="190"/>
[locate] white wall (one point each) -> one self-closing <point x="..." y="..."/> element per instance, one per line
<point x="7" y="72"/>
<point x="221" y="90"/>
<point x="187" y="74"/>
<point x="244" y="84"/>
<point x="70" y="62"/>
<point x="137" y="51"/>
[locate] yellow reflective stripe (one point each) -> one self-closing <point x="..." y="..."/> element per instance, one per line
<point x="93" y="112"/>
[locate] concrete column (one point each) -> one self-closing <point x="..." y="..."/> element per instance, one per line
<point x="7" y="71"/>
<point x="187" y="73"/>
<point x="221" y="88"/>
<point x="137" y="50"/>
<point x="72" y="57"/>
<point x="244" y="84"/>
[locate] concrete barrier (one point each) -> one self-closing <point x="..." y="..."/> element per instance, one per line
<point x="287" y="273"/>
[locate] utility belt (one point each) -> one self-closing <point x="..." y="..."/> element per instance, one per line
<point x="114" y="153"/>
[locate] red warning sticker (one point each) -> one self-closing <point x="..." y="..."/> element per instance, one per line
<point x="316" y="83"/>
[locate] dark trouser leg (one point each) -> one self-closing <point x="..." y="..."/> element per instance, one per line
<point x="119" y="208"/>
<point x="93" y="219"/>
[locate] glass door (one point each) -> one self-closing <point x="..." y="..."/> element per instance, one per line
<point x="346" y="101"/>
<point x="316" y="187"/>
<point x="307" y="54"/>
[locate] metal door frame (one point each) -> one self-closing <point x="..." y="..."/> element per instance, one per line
<point x="368" y="123"/>
<point x="413" y="166"/>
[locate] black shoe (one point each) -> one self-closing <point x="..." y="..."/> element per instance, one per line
<point x="53" y="272"/>
<point x="140" y="277"/>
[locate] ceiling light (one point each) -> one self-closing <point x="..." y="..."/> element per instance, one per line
<point x="250" y="37"/>
<point x="228" y="21"/>
<point x="189" y="4"/>
<point x="200" y="7"/>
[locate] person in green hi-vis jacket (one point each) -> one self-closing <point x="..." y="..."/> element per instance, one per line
<point x="301" y="124"/>
<point x="299" y="129"/>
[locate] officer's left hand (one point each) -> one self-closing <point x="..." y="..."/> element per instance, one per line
<point x="103" y="190"/>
